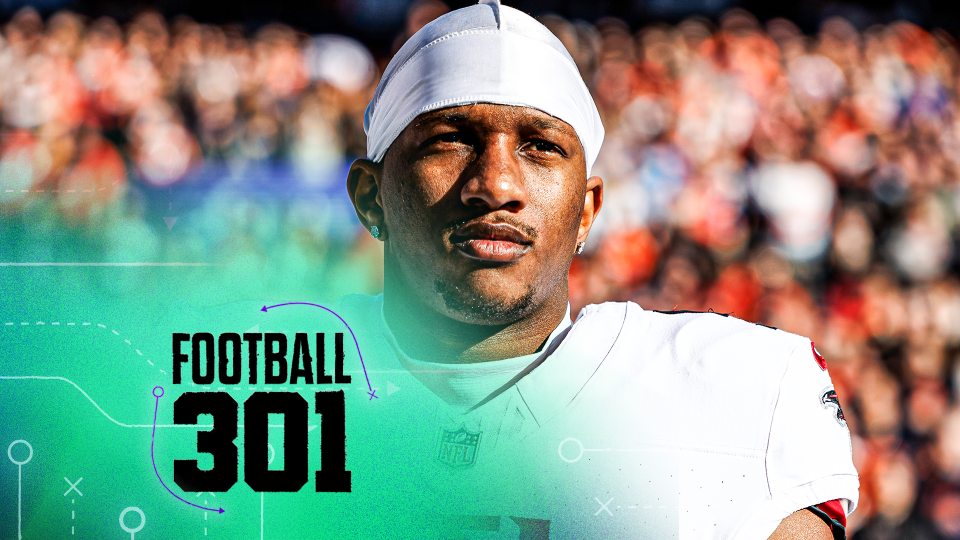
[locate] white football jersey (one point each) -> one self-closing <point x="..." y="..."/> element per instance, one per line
<point x="629" y="423"/>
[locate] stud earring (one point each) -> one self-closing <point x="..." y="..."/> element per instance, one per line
<point x="375" y="231"/>
<point x="579" y="248"/>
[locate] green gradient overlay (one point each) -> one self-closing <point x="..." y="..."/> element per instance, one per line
<point x="400" y="488"/>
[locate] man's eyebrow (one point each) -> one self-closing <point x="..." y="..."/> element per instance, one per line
<point x="444" y="118"/>
<point x="546" y="123"/>
<point x="462" y="118"/>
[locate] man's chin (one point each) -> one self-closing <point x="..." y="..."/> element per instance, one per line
<point x="468" y="305"/>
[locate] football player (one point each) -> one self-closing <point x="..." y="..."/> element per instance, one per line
<point x="624" y="423"/>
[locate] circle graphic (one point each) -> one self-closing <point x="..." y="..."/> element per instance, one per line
<point x="560" y="450"/>
<point x="143" y="520"/>
<point x="10" y="452"/>
<point x="155" y="388"/>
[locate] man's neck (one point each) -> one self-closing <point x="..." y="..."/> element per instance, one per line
<point x="425" y="334"/>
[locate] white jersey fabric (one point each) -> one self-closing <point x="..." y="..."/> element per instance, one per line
<point x="628" y="423"/>
<point x="463" y="386"/>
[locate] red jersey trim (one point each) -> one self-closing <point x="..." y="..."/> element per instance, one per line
<point x="831" y="512"/>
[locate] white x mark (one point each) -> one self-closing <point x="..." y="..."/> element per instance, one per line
<point x="603" y="506"/>
<point x="73" y="486"/>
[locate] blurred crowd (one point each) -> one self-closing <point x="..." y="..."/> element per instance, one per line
<point x="806" y="182"/>
<point x="175" y="141"/>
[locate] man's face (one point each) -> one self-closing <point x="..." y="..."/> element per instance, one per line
<point x="483" y="206"/>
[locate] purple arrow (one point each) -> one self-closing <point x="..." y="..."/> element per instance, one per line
<point x="372" y="392"/>
<point x="152" y="438"/>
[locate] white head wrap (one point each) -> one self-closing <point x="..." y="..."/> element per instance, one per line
<point x="485" y="53"/>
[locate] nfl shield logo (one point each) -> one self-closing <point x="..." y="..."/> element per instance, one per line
<point x="458" y="448"/>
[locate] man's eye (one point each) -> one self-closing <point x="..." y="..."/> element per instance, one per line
<point x="452" y="137"/>
<point x="544" y="146"/>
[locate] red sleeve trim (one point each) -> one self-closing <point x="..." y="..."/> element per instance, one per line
<point x="831" y="512"/>
<point x="835" y="510"/>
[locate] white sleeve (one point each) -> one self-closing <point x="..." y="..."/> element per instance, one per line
<point x="809" y="458"/>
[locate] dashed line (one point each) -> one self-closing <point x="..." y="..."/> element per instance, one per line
<point x="58" y="190"/>
<point x="103" y="412"/>
<point x="57" y="323"/>
<point x="86" y="395"/>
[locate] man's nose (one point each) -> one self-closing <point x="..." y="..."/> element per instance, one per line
<point x="496" y="181"/>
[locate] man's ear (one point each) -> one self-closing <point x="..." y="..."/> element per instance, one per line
<point x="592" y="201"/>
<point x="363" y="185"/>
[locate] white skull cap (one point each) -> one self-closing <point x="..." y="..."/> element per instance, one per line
<point x="486" y="53"/>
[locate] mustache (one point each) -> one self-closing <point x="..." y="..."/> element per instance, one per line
<point x="529" y="231"/>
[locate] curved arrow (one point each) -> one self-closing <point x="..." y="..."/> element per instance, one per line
<point x="372" y="392"/>
<point x="152" y="437"/>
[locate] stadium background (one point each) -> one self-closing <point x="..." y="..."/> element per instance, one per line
<point x="795" y="165"/>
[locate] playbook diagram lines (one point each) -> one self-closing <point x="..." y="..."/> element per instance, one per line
<point x="85" y="324"/>
<point x="112" y="419"/>
<point x="20" y="464"/>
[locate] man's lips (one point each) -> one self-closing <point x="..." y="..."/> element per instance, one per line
<point x="493" y="242"/>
